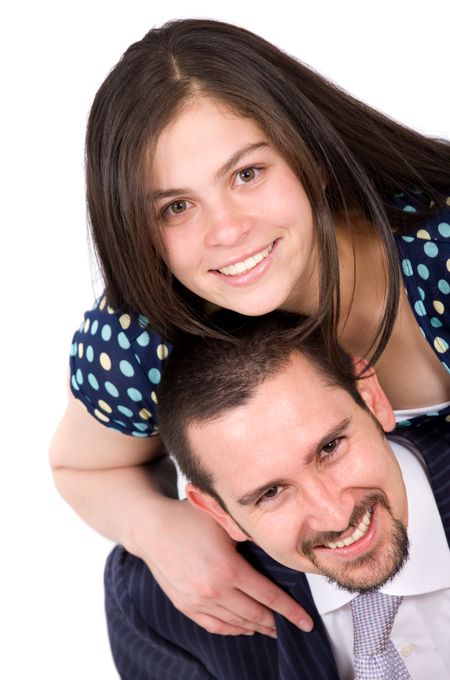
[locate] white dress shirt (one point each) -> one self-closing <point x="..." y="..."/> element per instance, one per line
<point x="421" y="630"/>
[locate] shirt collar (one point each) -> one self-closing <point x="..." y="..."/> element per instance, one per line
<point x="428" y="566"/>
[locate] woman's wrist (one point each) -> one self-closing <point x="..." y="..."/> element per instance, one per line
<point x="147" y="524"/>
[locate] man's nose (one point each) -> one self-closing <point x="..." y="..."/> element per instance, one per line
<point x="328" y="508"/>
<point x="227" y="224"/>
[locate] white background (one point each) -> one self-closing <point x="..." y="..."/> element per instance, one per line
<point x="54" y="55"/>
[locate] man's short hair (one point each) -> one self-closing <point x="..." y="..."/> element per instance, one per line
<point x="206" y="377"/>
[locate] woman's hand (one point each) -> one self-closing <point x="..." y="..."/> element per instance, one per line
<point x="190" y="555"/>
<point x="200" y="571"/>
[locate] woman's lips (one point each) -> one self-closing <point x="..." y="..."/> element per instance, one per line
<point x="248" y="270"/>
<point x="243" y="266"/>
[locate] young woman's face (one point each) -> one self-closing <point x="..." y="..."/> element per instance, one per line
<point x="236" y="224"/>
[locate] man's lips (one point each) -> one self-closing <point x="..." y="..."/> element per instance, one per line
<point x="357" y="533"/>
<point x="353" y="545"/>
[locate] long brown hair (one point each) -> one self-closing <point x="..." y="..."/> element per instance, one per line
<point x="318" y="128"/>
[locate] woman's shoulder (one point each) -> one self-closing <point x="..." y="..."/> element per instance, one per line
<point x="116" y="361"/>
<point x="435" y="225"/>
<point x="426" y="246"/>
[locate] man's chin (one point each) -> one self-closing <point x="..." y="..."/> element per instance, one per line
<point x="371" y="571"/>
<point x="367" y="579"/>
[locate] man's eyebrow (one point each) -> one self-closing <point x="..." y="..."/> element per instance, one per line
<point x="239" y="155"/>
<point x="252" y="497"/>
<point x="335" y="432"/>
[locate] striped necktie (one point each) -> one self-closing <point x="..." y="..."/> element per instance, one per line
<point x="375" y="657"/>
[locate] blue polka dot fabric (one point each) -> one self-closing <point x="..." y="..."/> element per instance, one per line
<point x="116" y="365"/>
<point x="116" y="361"/>
<point x="425" y="263"/>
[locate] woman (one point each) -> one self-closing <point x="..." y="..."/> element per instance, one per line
<point x="223" y="173"/>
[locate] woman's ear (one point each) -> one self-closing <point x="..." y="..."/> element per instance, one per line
<point x="203" y="501"/>
<point x="373" y="395"/>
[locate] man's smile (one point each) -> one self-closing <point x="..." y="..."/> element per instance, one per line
<point x="360" y="558"/>
<point x="358" y="533"/>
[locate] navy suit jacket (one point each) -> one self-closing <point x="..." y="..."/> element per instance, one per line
<point x="151" y="640"/>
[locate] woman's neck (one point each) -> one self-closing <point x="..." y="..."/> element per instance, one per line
<point x="409" y="371"/>
<point x="363" y="280"/>
<point x="362" y="287"/>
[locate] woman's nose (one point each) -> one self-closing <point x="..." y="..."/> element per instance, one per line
<point x="227" y="225"/>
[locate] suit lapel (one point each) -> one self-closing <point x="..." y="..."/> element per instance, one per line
<point x="301" y="656"/>
<point x="304" y="655"/>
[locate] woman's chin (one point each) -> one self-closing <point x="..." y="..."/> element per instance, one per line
<point x="254" y="307"/>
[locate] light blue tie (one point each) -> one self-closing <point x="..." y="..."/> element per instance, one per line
<point x="375" y="657"/>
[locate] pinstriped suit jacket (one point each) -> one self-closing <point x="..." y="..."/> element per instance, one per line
<point x="151" y="640"/>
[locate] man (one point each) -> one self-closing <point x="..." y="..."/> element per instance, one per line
<point x="287" y="452"/>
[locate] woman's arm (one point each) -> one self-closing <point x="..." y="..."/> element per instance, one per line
<point x="107" y="477"/>
<point x="124" y="487"/>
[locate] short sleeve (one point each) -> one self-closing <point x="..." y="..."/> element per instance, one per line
<point x="116" y="362"/>
<point x="425" y="265"/>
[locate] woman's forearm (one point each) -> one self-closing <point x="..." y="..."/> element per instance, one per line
<point x="127" y="505"/>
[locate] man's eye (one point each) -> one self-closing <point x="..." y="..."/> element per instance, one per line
<point x="269" y="495"/>
<point x="331" y="448"/>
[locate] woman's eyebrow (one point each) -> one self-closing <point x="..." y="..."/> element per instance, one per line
<point x="239" y="155"/>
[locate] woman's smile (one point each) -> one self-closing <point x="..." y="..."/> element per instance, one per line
<point x="248" y="271"/>
<point x="240" y="232"/>
<point x="244" y="265"/>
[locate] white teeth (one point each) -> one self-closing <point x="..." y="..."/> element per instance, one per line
<point x="246" y="265"/>
<point x="366" y="519"/>
<point x="356" y="535"/>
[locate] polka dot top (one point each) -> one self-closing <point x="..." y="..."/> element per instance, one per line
<point x="425" y="264"/>
<point x="117" y="360"/>
<point x="115" y="364"/>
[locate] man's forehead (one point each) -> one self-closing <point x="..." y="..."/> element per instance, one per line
<point x="298" y="381"/>
<point x="296" y="402"/>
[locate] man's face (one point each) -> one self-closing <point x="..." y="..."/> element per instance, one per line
<point x="306" y="473"/>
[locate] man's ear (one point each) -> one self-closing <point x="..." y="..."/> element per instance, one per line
<point x="373" y="395"/>
<point x="203" y="501"/>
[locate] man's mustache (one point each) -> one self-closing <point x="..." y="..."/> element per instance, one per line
<point x="357" y="514"/>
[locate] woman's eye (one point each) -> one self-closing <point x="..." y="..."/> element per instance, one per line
<point x="175" y="208"/>
<point x="246" y="175"/>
